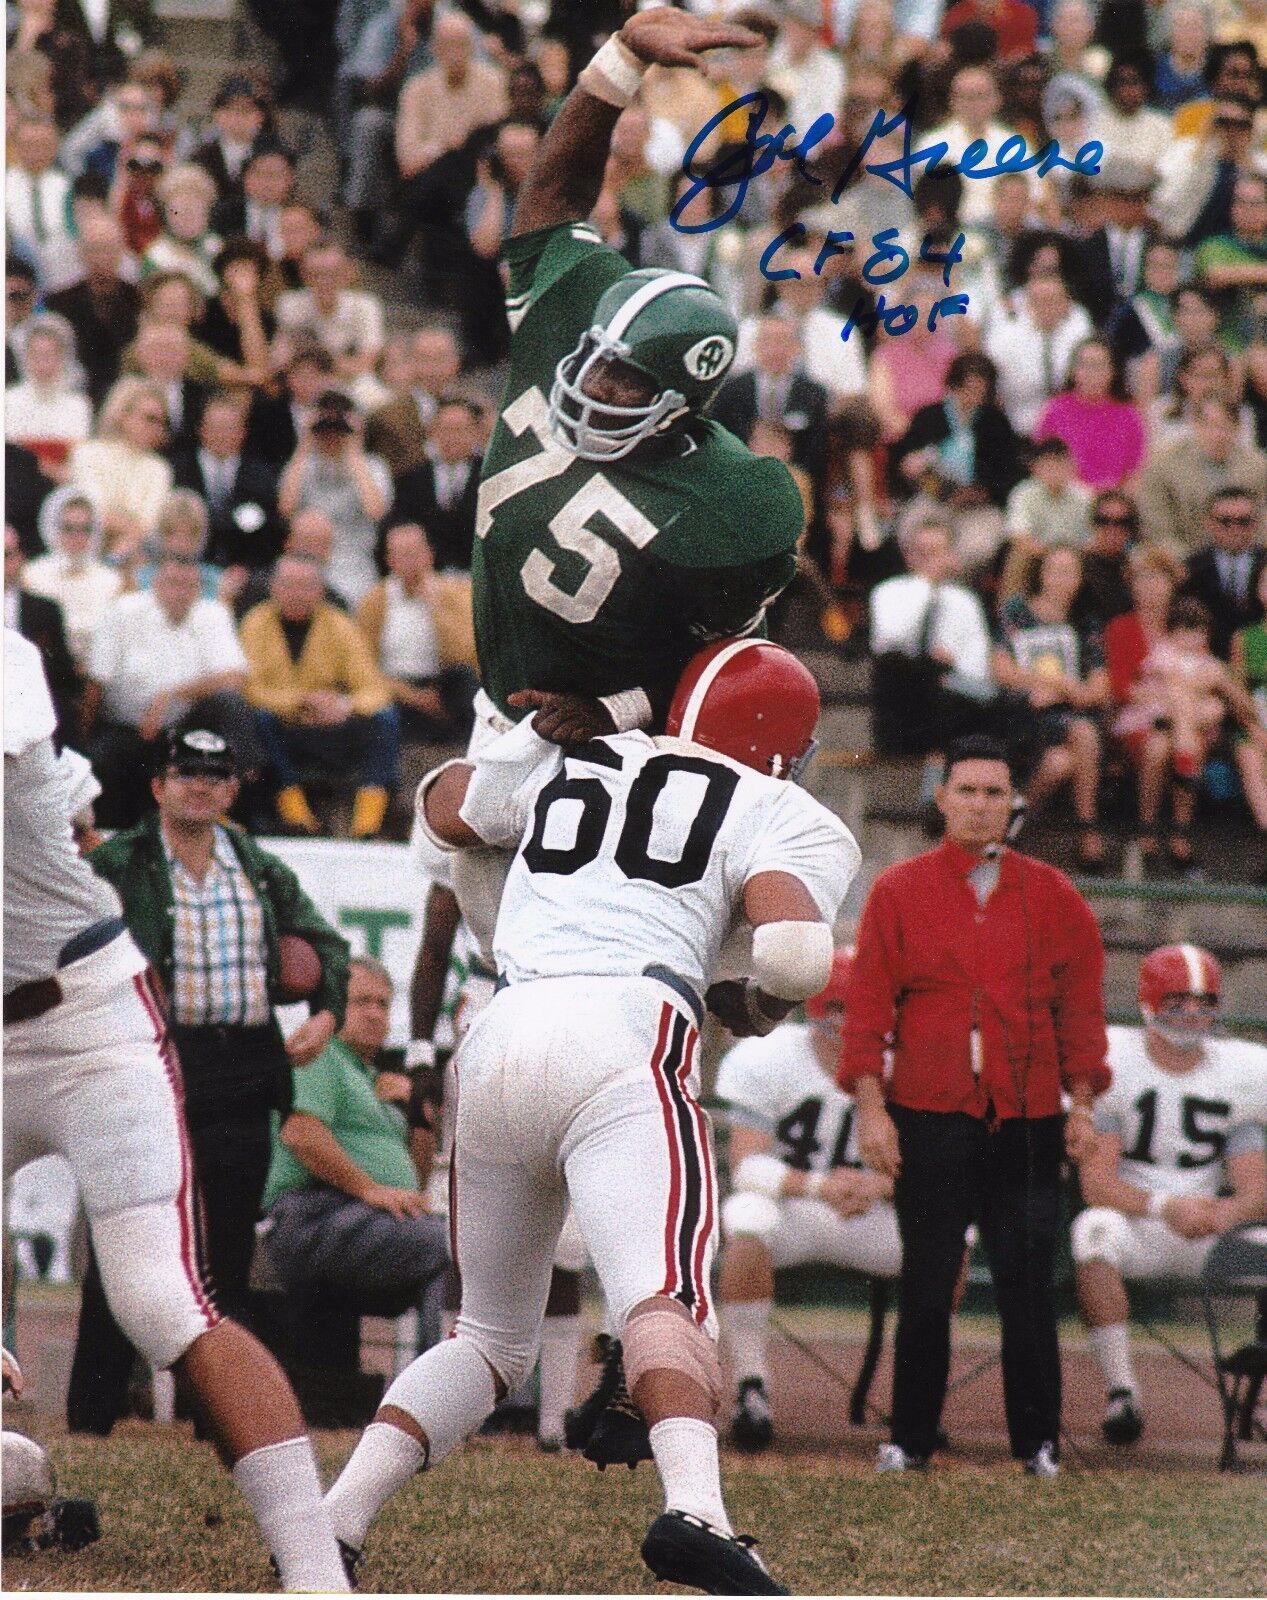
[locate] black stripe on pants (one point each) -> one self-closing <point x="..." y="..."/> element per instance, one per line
<point x="955" y="1171"/>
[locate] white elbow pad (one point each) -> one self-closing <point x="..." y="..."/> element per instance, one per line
<point x="423" y="838"/>
<point x="792" y="960"/>
<point x="761" y="1174"/>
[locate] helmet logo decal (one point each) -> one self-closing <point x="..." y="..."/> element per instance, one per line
<point x="709" y="358"/>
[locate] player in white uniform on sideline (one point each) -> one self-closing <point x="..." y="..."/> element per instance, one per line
<point x="801" y="1192"/>
<point x="1181" y="1114"/>
<point x="635" y="856"/>
<point x="89" y="1074"/>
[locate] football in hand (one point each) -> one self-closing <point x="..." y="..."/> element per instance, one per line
<point x="299" y="969"/>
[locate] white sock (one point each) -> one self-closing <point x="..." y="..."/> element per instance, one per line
<point x="685" y="1451"/>
<point x="745" y="1327"/>
<point x="385" y="1459"/>
<point x="280" y="1484"/>
<point x="560" y="1348"/>
<point x="1112" y="1349"/>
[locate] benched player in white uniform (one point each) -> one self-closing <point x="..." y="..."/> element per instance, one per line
<point x="635" y="856"/>
<point x="1180" y="1116"/>
<point x="801" y="1192"/>
<point x="89" y="1074"/>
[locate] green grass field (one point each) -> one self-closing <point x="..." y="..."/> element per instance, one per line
<point x="500" y="1518"/>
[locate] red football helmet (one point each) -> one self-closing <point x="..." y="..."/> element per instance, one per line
<point x="1179" y="991"/>
<point x="833" y="996"/>
<point x="750" y="700"/>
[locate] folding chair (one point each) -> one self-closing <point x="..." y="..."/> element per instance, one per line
<point x="1237" y="1266"/>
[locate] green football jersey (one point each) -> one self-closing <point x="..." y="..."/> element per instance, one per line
<point x="597" y="577"/>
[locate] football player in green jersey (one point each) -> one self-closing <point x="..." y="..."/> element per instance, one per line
<point x="618" y="527"/>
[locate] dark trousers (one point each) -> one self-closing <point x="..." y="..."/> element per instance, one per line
<point x="955" y="1171"/>
<point x="456" y="687"/>
<point x="367" y="747"/>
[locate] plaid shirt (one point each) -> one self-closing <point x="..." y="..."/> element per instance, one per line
<point x="219" y="974"/>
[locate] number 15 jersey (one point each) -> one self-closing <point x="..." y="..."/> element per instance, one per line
<point x="634" y="852"/>
<point x="598" y="577"/>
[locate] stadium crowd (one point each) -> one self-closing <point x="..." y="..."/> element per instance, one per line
<point x="1039" y="507"/>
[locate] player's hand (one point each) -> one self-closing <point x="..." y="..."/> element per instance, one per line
<point x="728" y="1002"/>
<point x="1192" y="1216"/>
<point x="310" y="1038"/>
<point x="1080" y="1136"/>
<point x="565" y="718"/>
<point x="14" y="1382"/>
<point x="668" y="38"/>
<point x="393" y="1087"/>
<point x="877" y="1142"/>
<point x="401" y="1203"/>
<point x="844" y="1194"/>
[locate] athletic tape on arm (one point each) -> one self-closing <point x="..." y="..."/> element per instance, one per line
<point x="792" y="960"/>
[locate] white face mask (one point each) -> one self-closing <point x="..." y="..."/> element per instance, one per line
<point x="1183" y="1024"/>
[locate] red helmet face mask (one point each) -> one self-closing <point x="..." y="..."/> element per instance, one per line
<point x="750" y="700"/>
<point x="1179" y="991"/>
<point x="828" y="1005"/>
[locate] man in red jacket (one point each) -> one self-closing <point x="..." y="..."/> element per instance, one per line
<point x="981" y="971"/>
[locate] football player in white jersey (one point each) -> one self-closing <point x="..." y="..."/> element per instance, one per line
<point x="1176" y="1122"/>
<point x="634" y="857"/>
<point x="801" y="1192"/>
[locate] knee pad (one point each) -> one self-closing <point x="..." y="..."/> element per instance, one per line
<point x="750" y="1216"/>
<point x="152" y="1281"/>
<point x="448" y="1391"/>
<point x="664" y="1337"/>
<point x="1099" y="1234"/>
<point x="511" y="1354"/>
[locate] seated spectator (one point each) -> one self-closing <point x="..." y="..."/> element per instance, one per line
<point x="500" y="171"/>
<point x="37" y="203"/>
<point x="974" y="109"/>
<point x="35" y="29"/>
<point x="20" y="297"/>
<point x="907" y="373"/>
<point x="1223" y="573"/>
<point x="158" y="657"/>
<point x="931" y="645"/>
<point x="185" y="196"/>
<point x="71" y="573"/>
<point x="777" y="390"/>
<point x="277" y="424"/>
<point x="1128" y="126"/>
<point x="1200" y="375"/>
<point x="347" y="322"/>
<point x="121" y="467"/>
<point x="331" y="472"/>
<point x="1095" y="418"/>
<point x="1153" y="577"/>
<point x="1233" y="70"/>
<point x="1249" y="667"/>
<point x="238" y="116"/>
<point x="419" y="630"/>
<point x="240" y="489"/>
<point x="268" y="183"/>
<point x="1175" y="485"/>
<point x="1053" y="673"/>
<point x="102" y="307"/>
<point x="1179" y="75"/>
<point x="1193" y="198"/>
<point x="1106" y="589"/>
<point x="310" y="535"/>
<point x="171" y="300"/>
<point x="442" y="491"/>
<point x="134" y="199"/>
<point x="1049" y="507"/>
<point x="838" y="364"/>
<point x="1143" y="324"/>
<point x="1233" y="265"/>
<point x="1033" y="349"/>
<point x="962" y="452"/>
<point x="1111" y="258"/>
<point x="318" y="695"/>
<point x="237" y="324"/>
<point x="25" y="490"/>
<point x="181" y="533"/>
<point x="299" y="226"/>
<point x="422" y="367"/>
<point x="41" y="621"/>
<point x="346" y="1191"/>
<point x="47" y="412"/>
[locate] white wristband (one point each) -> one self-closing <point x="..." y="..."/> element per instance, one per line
<point x="760" y="1173"/>
<point x="1157" y="1206"/>
<point x="613" y="75"/>
<point x="629" y="709"/>
<point x="813" y="1184"/>
<point x="419" y="1053"/>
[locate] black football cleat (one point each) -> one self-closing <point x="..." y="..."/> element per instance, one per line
<point x="1123" y="1419"/>
<point x="580" y="1421"/>
<point x="750" y="1426"/>
<point x="607" y="1428"/>
<point x="680" y="1548"/>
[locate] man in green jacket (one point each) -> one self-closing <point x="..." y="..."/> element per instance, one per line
<point x="208" y="907"/>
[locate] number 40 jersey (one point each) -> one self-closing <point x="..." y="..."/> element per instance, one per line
<point x="599" y="577"/>
<point x="634" y="852"/>
<point x="1176" y="1128"/>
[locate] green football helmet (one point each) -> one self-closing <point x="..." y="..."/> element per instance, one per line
<point x="670" y="327"/>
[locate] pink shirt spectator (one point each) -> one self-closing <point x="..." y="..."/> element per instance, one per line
<point x="1106" y="437"/>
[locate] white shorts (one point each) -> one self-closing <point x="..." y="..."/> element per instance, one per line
<point x="796" y="1231"/>
<point x="1138" y="1247"/>
<point x="95" y="1080"/>
<point x="582" y="1089"/>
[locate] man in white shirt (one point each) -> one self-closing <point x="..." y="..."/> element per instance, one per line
<point x="974" y="109"/>
<point x="1033" y="348"/>
<point x="156" y="656"/>
<point x="347" y="322"/>
<point x="37" y="204"/>
<point x="931" y="644"/>
<point x="838" y="364"/>
<point x="810" y="77"/>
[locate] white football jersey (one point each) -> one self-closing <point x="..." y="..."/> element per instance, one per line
<point x="633" y="852"/>
<point x="777" y="1085"/>
<point x="1176" y="1128"/>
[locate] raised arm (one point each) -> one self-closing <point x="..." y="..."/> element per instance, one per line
<point x="568" y="173"/>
